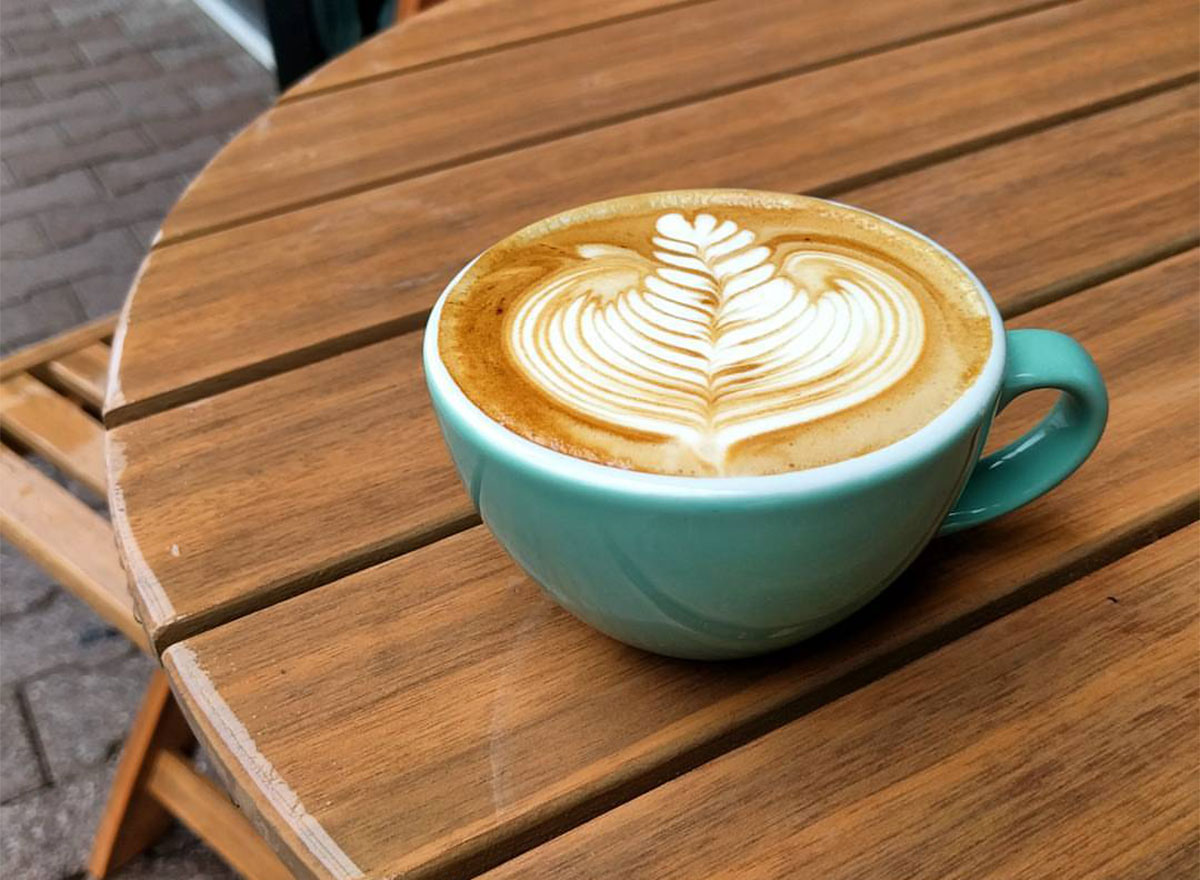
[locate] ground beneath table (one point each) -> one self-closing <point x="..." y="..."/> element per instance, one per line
<point x="109" y="108"/>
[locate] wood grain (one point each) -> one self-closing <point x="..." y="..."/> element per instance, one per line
<point x="405" y="126"/>
<point x="133" y="819"/>
<point x="64" y="343"/>
<point x="436" y="722"/>
<point x="83" y="373"/>
<point x="276" y="487"/>
<point x="68" y="539"/>
<point x="55" y="428"/>
<point x="208" y="314"/>
<point x="1034" y="747"/>
<point x="465" y="28"/>
<point x="271" y="488"/>
<point x="207" y="811"/>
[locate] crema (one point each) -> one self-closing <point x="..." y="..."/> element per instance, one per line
<point x="714" y="332"/>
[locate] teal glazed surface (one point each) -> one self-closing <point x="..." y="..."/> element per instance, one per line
<point x="724" y="567"/>
<point x="714" y="575"/>
<point x="1049" y="453"/>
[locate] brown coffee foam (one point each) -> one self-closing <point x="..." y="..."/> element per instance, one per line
<point x="473" y="346"/>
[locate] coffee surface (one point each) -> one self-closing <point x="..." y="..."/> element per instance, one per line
<point x="714" y="332"/>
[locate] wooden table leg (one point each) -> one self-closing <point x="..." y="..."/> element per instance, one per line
<point x="156" y="784"/>
<point x="133" y="819"/>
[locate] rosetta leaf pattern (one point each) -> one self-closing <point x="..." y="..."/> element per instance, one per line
<point x="715" y="338"/>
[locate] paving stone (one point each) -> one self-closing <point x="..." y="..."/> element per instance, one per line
<point x="146" y="231"/>
<point x="124" y="175"/>
<point x="113" y="247"/>
<point x="19" y="769"/>
<point x="72" y="188"/>
<point x="106" y="49"/>
<point x="68" y="226"/>
<point x="126" y="143"/>
<point x="85" y="85"/>
<point x="92" y="102"/>
<point x="65" y="632"/>
<point x="61" y="84"/>
<point x="14" y="6"/>
<point x="174" y="57"/>
<point x="95" y="29"/>
<point x="36" y="315"/>
<point x="246" y="68"/>
<point x="72" y="12"/>
<point x="23" y="586"/>
<point x="47" y="833"/>
<point x="26" y="21"/>
<point x="57" y="59"/>
<point x="161" y="34"/>
<point x="21" y="93"/>
<point x="223" y="120"/>
<point x="22" y="238"/>
<point x="166" y="19"/>
<point x="214" y="73"/>
<point x="105" y="293"/>
<point x="208" y="97"/>
<point x="138" y="103"/>
<point x="40" y="137"/>
<point x="83" y="715"/>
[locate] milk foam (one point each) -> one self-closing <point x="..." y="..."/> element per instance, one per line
<point x="714" y="339"/>
<point x="714" y="332"/>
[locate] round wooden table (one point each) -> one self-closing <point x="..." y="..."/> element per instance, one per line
<point x="383" y="690"/>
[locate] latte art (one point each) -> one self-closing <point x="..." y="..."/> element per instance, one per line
<point x="713" y="332"/>
<point x="715" y="338"/>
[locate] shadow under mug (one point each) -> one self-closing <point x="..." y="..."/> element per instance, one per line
<point x="724" y="567"/>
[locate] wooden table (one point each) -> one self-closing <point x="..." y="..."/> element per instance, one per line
<point x="387" y="694"/>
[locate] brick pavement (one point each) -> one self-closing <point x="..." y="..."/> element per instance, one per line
<point x="107" y="109"/>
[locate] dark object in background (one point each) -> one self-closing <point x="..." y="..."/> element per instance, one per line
<point x="307" y="33"/>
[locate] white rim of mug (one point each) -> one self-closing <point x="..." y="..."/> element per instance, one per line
<point x="970" y="406"/>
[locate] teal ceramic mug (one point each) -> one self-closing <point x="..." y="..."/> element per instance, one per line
<point x="724" y="567"/>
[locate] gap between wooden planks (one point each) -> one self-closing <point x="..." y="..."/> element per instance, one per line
<point x="345" y="143"/>
<point x="271" y="296"/>
<point x="425" y="714"/>
<point x="241" y="499"/>
<point x="1059" y="739"/>
<point x="465" y="29"/>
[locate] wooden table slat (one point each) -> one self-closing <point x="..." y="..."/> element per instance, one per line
<point x="252" y="491"/>
<point x="464" y="28"/>
<point x="31" y="356"/>
<point x="83" y="372"/>
<point x="55" y="428"/>
<point x="68" y="539"/>
<point x="1029" y="748"/>
<point x="241" y="499"/>
<point x="347" y="141"/>
<point x="213" y="312"/>
<point x="437" y="720"/>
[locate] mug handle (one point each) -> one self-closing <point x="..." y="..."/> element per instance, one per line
<point x="1050" y="452"/>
